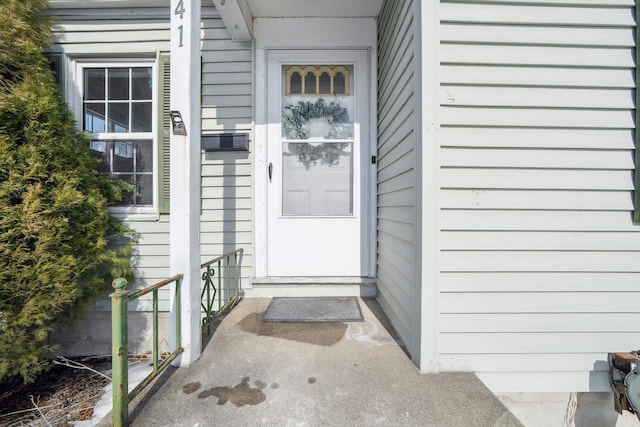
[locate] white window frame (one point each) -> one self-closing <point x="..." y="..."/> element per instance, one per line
<point x="77" y="82"/>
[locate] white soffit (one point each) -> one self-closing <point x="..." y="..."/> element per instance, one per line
<point x="315" y="8"/>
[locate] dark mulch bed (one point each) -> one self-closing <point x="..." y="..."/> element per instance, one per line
<point x="56" y="397"/>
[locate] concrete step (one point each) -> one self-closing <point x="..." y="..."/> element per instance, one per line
<point x="312" y="287"/>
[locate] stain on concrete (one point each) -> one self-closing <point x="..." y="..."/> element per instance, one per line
<point x="368" y="332"/>
<point x="312" y="380"/>
<point x="275" y="386"/>
<point x="240" y="394"/>
<point x="324" y="334"/>
<point x="191" y="387"/>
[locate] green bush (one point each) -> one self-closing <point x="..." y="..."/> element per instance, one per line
<point x="55" y="230"/>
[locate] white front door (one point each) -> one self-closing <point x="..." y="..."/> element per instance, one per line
<point x="318" y="162"/>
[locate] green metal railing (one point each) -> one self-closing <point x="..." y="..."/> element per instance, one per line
<point x="120" y="376"/>
<point x="215" y="300"/>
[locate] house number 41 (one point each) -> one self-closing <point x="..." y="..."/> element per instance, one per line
<point x="180" y="10"/>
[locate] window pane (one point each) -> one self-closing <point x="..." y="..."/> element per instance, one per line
<point x="130" y="197"/>
<point x="94" y="83"/>
<point x="144" y="156"/>
<point x="339" y="85"/>
<point x="100" y="150"/>
<point x="315" y="117"/>
<point x="123" y="156"/>
<point x="118" y="117"/>
<point x="141" y="83"/>
<point x="141" y="120"/>
<point x="317" y="179"/>
<point x="310" y="83"/>
<point x="325" y="83"/>
<point x="296" y="83"/>
<point x="94" y="117"/>
<point x="144" y="195"/>
<point x="119" y="83"/>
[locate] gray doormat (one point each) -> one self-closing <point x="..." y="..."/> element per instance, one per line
<point x="313" y="309"/>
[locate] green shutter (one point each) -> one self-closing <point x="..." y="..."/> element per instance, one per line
<point x="55" y="63"/>
<point x="164" y="129"/>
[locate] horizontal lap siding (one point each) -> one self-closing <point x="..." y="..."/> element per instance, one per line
<point x="103" y="33"/>
<point x="396" y="191"/>
<point x="226" y="218"/>
<point x="540" y="261"/>
<point x="226" y="98"/>
<point x="100" y="32"/>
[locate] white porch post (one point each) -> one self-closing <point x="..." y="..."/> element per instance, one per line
<point x="184" y="254"/>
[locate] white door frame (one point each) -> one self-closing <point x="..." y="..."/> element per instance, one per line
<point x="344" y="35"/>
<point x="346" y="251"/>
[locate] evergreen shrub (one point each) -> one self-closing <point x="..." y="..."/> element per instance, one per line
<point x="55" y="230"/>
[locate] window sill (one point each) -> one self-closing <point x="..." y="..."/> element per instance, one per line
<point x="136" y="216"/>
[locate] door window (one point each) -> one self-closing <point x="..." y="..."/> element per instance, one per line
<point x="317" y="140"/>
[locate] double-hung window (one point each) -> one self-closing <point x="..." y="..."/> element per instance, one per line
<point x="119" y="112"/>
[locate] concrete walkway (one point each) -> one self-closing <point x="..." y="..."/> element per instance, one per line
<point x="323" y="374"/>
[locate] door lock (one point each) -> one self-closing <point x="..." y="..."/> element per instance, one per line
<point x="270" y="170"/>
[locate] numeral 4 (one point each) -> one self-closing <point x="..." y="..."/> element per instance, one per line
<point x="180" y="10"/>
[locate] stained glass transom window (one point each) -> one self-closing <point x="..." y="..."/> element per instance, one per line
<point x="312" y="80"/>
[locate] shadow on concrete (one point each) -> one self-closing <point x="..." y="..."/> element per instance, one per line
<point x="138" y="404"/>
<point x="206" y="337"/>
<point x="589" y="412"/>
<point x="324" y="334"/>
<point x="378" y="313"/>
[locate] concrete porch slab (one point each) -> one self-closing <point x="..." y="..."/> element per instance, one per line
<point x="290" y="374"/>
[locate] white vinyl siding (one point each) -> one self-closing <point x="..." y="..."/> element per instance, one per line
<point x="226" y="220"/>
<point x="114" y="33"/>
<point x="101" y="32"/>
<point x="226" y="216"/>
<point x="397" y="175"/>
<point x="539" y="256"/>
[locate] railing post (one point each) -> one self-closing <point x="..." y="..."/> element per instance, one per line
<point x="178" y="309"/>
<point x="228" y="276"/>
<point x="156" y="351"/>
<point x="119" y="350"/>
<point x="235" y="271"/>
<point x="220" y="288"/>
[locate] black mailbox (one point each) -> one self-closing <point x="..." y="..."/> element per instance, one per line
<point x="225" y="142"/>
